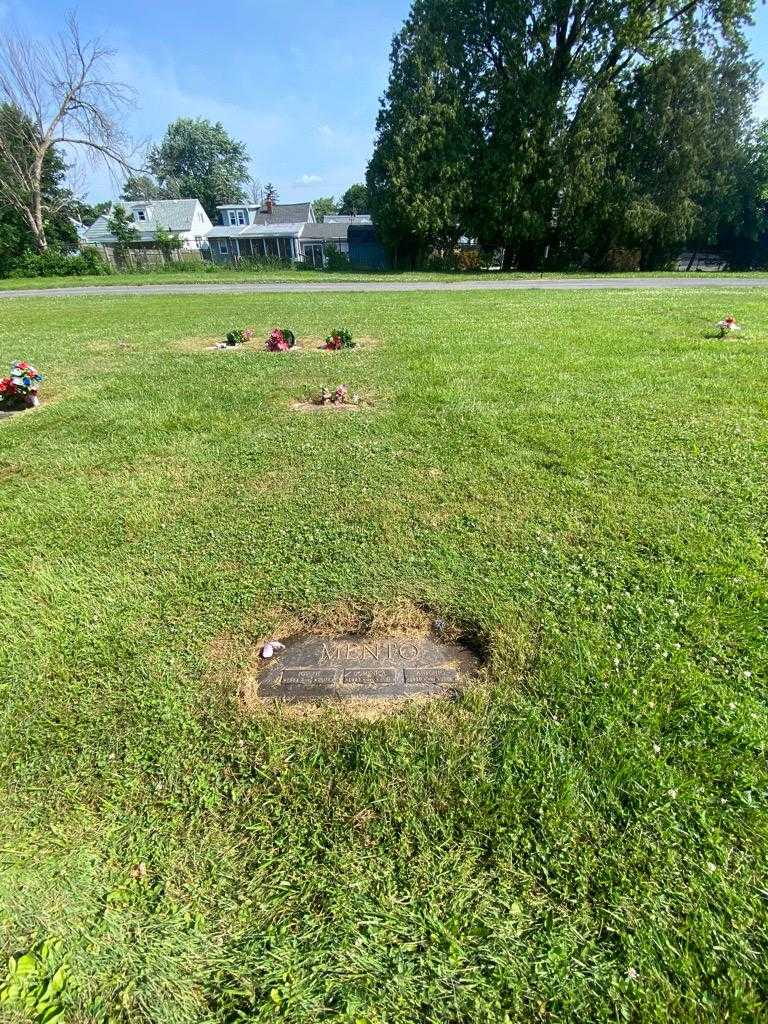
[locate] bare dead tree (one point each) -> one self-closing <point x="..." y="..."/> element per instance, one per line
<point x="59" y="94"/>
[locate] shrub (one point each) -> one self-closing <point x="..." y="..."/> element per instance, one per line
<point x="457" y="261"/>
<point x="257" y="263"/>
<point x="339" y="338"/>
<point x="618" y="259"/>
<point x="52" y="263"/>
<point x="240" y="337"/>
<point x="335" y="260"/>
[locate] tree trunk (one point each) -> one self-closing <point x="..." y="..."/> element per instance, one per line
<point x="36" y="213"/>
<point x="529" y="255"/>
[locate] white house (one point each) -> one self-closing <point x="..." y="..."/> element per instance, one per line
<point x="184" y="218"/>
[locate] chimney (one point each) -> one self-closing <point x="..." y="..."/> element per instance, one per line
<point x="269" y="204"/>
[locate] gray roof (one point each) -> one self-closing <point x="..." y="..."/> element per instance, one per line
<point x="324" y="232"/>
<point x="266" y="230"/>
<point x="282" y="213"/>
<point x="173" y="214"/>
<point x="256" y="230"/>
<point x="347" y="218"/>
<point x="286" y="213"/>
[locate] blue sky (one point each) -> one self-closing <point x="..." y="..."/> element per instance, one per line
<point x="298" y="81"/>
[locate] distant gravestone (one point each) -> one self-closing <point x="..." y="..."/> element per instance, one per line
<point x="314" y="670"/>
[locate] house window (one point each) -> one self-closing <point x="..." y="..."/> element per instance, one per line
<point x="223" y="247"/>
<point x="237" y="217"/>
<point x="141" y="214"/>
<point x="198" y="240"/>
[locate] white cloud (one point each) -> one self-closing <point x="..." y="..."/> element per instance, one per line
<point x="308" y="179"/>
<point x="275" y="132"/>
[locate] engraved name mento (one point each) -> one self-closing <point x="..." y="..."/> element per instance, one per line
<point x="316" y="670"/>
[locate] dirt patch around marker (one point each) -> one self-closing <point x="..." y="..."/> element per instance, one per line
<point x="362" y="343"/>
<point x="330" y="407"/>
<point x="216" y="344"/>
<point x="351" y="661"/>
<point x="45" y="403"/>
<point x="304" y="344"/>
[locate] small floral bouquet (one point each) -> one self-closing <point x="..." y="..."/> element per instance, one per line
<point x="280" y="340"/>
<point x="340" y="396"/>
<point x="19" y="390"/>
<point x="339" y="338"/>
<point x="240" y="337"/>
<point x="728" y="326"/>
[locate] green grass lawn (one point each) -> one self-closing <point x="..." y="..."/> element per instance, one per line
<point x="579" y="479"/>
<point x="224" y="275"/>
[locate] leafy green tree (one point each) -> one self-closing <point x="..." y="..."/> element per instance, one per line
<point x="120" y="224"/>
<point x="489" y="99"/>
<point x="197" y="159"/>
<point x="355" y="199"/>
<point x="270" y="193"/>
<point x="166" y="242"/>
<point x="142" y="186"/>
<point x="88" y="213"/>
<point x="666" y="158"/>
<point x="324" y="206"/>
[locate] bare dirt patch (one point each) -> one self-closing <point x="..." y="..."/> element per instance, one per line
<point x="330" y="407"/>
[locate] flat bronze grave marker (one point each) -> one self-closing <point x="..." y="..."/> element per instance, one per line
<point x="319" y="670"/>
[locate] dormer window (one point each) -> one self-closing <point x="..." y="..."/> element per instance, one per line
<point x="237" y="217"/>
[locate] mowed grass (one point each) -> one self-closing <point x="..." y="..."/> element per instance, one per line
<point x="207" y="274"/>
<point x="578" y="478"/>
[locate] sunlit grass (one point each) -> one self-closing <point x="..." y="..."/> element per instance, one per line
<point x="581" y="478"/>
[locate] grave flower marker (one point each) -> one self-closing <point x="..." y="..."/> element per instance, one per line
<point x="240" y="337"/>
<point x="340" y="396"/>
<point x="19" y="389"/>
<point x="338" y="339"/>
<point x="280" y="340"/>
<point x="728" y="326"/>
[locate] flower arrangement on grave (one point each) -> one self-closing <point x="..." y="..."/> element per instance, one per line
<point x="19" y="389"/>
<point x="339" y="338"/>
<point x="280" y="340"/>
<point x="340" y="396"/>
<point x="240" y="337"/>
<point x="727" y="326"/>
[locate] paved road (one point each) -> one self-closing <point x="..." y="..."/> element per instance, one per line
<point x="537" y="284"/>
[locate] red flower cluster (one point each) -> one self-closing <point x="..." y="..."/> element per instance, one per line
<point x="339" y="338"/>
<point x="20" y="388"/>
<point x="280" y="340"/>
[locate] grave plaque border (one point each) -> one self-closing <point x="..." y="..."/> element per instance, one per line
<point x="334" y="669"/>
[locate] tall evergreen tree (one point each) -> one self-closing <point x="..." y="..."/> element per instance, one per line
<point x="487" y="104"/>
<point x="669" y="158"/>
<point x="418" y="177"/>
